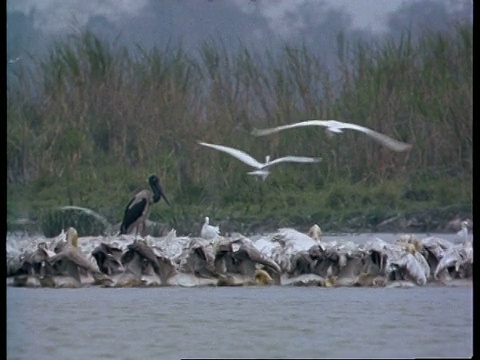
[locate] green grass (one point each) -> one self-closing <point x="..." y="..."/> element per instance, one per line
<point x="338" y="206"/>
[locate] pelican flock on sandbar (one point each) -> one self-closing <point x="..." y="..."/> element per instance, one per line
<point x="287" y="257"/>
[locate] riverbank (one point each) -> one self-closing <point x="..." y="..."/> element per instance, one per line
<point x="433" y="220"/>
<point x="439" y="220"/>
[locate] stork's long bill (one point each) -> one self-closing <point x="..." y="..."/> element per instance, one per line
<point x="164" y="197"/>
<point x="162" y="194"/>
<point x="158" y="191"/>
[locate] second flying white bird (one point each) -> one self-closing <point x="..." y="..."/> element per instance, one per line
<point x="262" y="169"/>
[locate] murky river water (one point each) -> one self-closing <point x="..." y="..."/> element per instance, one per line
<point x="253" y="322"/>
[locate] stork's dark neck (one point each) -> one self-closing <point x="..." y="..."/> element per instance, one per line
<point x="157" y="194"/>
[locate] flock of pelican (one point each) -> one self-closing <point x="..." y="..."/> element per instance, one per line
<point x="286" y="257"/>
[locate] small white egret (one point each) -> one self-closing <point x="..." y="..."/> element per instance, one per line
<point x="262" y="169"/>
<point x="464" y="231"/>
<point x="334" y="126"/>
<point x="209" y="231"/>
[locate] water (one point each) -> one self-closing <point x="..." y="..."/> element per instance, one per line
<point x="247" y="322"/>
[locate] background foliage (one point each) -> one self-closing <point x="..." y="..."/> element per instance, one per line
<point x="89" y="123"/>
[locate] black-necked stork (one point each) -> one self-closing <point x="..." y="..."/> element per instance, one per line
<point x="138" y="209"/>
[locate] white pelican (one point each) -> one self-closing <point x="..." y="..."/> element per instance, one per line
<point x="72" y="260"/>
<point x="334" y="126"/>
<point x="209" y="231"/>
<point x="198" y="259"/>
<point x="284" y="244"/>
<point x="70" y="238"/>
<point x="411" y="268"/>
<point x="247" y="255"/>
<point x="108" y="258"/>
<point x="36" y="263"/>
<point x="262" y="169"/>
<point x="144" y="265"/>
<point x="461" y="257"/>
<point x="172" y="245"/>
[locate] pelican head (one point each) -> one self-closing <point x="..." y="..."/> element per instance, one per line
<point x="417" y="244"/>
<point x="262" y="277"/>
<point x="411" y="248"/>
<point x="405" y="238"/>
<point x="330" y="280"/>
<point x="72" y="237"/>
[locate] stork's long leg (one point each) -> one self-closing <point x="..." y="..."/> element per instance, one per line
<point x="136" y="230"/>
<point x="142" y="229"/>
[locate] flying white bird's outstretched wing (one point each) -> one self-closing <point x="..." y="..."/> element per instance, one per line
<point x="262" y="132"/>
<point x="297" y="159"/>
<point x="337" y="126"/>
<point x="240" y="155"/>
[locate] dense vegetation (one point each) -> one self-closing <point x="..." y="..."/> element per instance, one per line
<point x="90" y="122"/>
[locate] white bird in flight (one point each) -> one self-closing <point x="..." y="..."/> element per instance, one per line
<point x="334" y="126"/>
<point x="13" y="61"/>
<point x="262" y="169"/>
